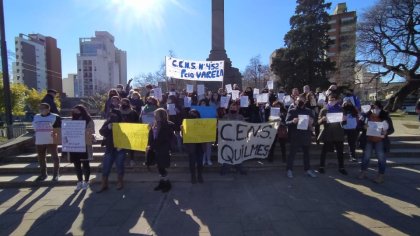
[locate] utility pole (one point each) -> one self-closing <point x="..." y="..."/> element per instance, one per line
<point x="6" y="81"/>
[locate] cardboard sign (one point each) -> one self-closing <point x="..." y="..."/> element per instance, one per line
<point x="199" y="130"/>
<point x="194" y="70"/>
<point x="73" y="135"/>
<point x="130" y="136"/>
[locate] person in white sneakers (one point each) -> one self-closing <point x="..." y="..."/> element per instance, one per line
<point x="299" y="121"/>
<point x="80" y="159"/>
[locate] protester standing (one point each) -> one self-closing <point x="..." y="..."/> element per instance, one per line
<point x="45" y="124"/>
<point x="333" y="133"/>
<point x="300" y="137"/>
<point x="129" y="115"/>
<point x="80" y="159"/>
<point x="112" y="154"/>
<point x="160" y="135"/>
<point x="351" y="128"/>
<point x="282" y="133"/>
<point x="50" y="99"/>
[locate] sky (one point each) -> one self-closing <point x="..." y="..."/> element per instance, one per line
<point x="148" y="29"/>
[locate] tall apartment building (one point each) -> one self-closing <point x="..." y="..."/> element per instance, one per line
<point x="72" y="86"/>
<point x="100" y="65"/>
<point x="343" y="48"/>
<point x="38" y="62"/>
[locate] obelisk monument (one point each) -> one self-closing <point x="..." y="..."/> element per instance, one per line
<point x="218" y="51"/>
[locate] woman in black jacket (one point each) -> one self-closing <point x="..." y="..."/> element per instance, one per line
<point x="159" y="146"/>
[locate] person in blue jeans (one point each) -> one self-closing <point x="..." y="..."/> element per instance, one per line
<point x="112" y="154"/>
<point x="375" y="140"/>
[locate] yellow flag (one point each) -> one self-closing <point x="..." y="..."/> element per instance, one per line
<point x="199" y="130"/>
<point x="130" y="136"/>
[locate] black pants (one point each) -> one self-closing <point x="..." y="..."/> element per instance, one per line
<point x="195" y="156"/>
<point x="339" y="146"/>
<point x="162" y="171"/>
<point x="80" y="172"/>
<point x="352" y="135"/>
<point x="282" y="147"/>
<point x="294" y="147"/>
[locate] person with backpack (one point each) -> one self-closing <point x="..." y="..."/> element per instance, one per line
<point x="378" y="126"/>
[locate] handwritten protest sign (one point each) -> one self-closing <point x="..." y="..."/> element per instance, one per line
<point x="321" y="99"/>
<point x="288" y="100"/>
<point x="235" y="94"/>
<point x="256" y="91"/>
<point x="130" y="136"/>
<point x="43" y="132"/>
<point x="335" y="117"/>
<point x="194" y="70"/>
<point x="239" y="141"/>
<point x="262" y="98"/>
<point x="158" y="93"/>
<point x="190" y="88"/>
<point x="187" y="101"/>
<point x="303" y="122"/>
<point x="206" y="111"/>
<point x="280" y="97"/>
<point x="244" y="101"/>
<point x="73" y="135"/>
<point x="274" y="113"/>
<point x="171" y="109"/>
<point x="200" y="89"/>
<point x="366" y="108"/>
<point x="270" y="84"/>
<point x="199" y="130"/>
<point x="228" y="88"/>
<point x="224" y="101"/>
<point x="375" y="129"/>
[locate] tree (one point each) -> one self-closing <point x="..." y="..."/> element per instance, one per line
<point x="96" y="102"/>
<point x="303" y="60"/>
<point x="17" y="98"/>
<point x="256" y="74"/>
<point x="389" y="42"/>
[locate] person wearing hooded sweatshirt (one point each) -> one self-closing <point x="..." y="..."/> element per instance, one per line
<point x="112" y="154"/>
<point x="159" y="146"/>
<point x="376" y="114"/>
<point x="333" y="134"/>
<point x="44" y="124"/>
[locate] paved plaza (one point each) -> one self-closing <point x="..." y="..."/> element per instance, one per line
<point x="261" y="203"/>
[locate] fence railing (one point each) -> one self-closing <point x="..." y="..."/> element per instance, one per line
<point x="17" y="130"/>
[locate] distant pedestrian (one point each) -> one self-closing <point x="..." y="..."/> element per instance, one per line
<point x="80" y="159"/>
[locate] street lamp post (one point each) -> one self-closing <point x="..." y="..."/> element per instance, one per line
<point x="6" y="82"/>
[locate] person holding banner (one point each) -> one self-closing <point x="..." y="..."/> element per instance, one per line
<point x="378" y="126"/>
<point x="129" y="116"/>
<point x="333" y="133"/>
<point x="299" y="121"/>
<point x="175" y="116"/>
<point x="80" y="159"/>
<point x="159" y="146"/>
<point x="233" y="115"/>
<point x="206" y="146"/>
<point x="45" y="124"/>
<point x="195" y="154"/>
<point x="112" y="154"/>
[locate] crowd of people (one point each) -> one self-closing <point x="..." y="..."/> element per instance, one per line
<point x="165" y="113"/>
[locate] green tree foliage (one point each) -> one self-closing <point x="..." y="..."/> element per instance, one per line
<point x="18" y="97"/>
<point x="304" y="59"/>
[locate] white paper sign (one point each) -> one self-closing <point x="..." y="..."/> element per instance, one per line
<point x="172" y="93"/>
<point x="270" y="84"/>
<point x="262" y="98"/>
<point x="239" y="141"/>
<point x="200" y="89"/>
<point x="171" y="109"/>
<point x="321" y="99"/>
<point x="256" y="91"/>
<point x="274" y="113"/>
<point x="235" y="94"/>
<point x="158" y="93"/>
<point x="335" y="117"/>
<point x="43" y="132"/>
<point x="244" y="101"/>
<point x="194" y="70"/>
<point x="187" y="101"/>
<point x="351" y="123"/>
<point x="148" y="118"/>
<point x="280" y="97"/>
<point x="224" y="101"/>
<point x="190" y="88"/>
<point x="374" y="129"/>
<point x="73" y="135"/>
<point x="366" y="108"/>
<point x="303" y="122"/>
<point x="228" y="88"/>
<point x="288" y="100"/>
